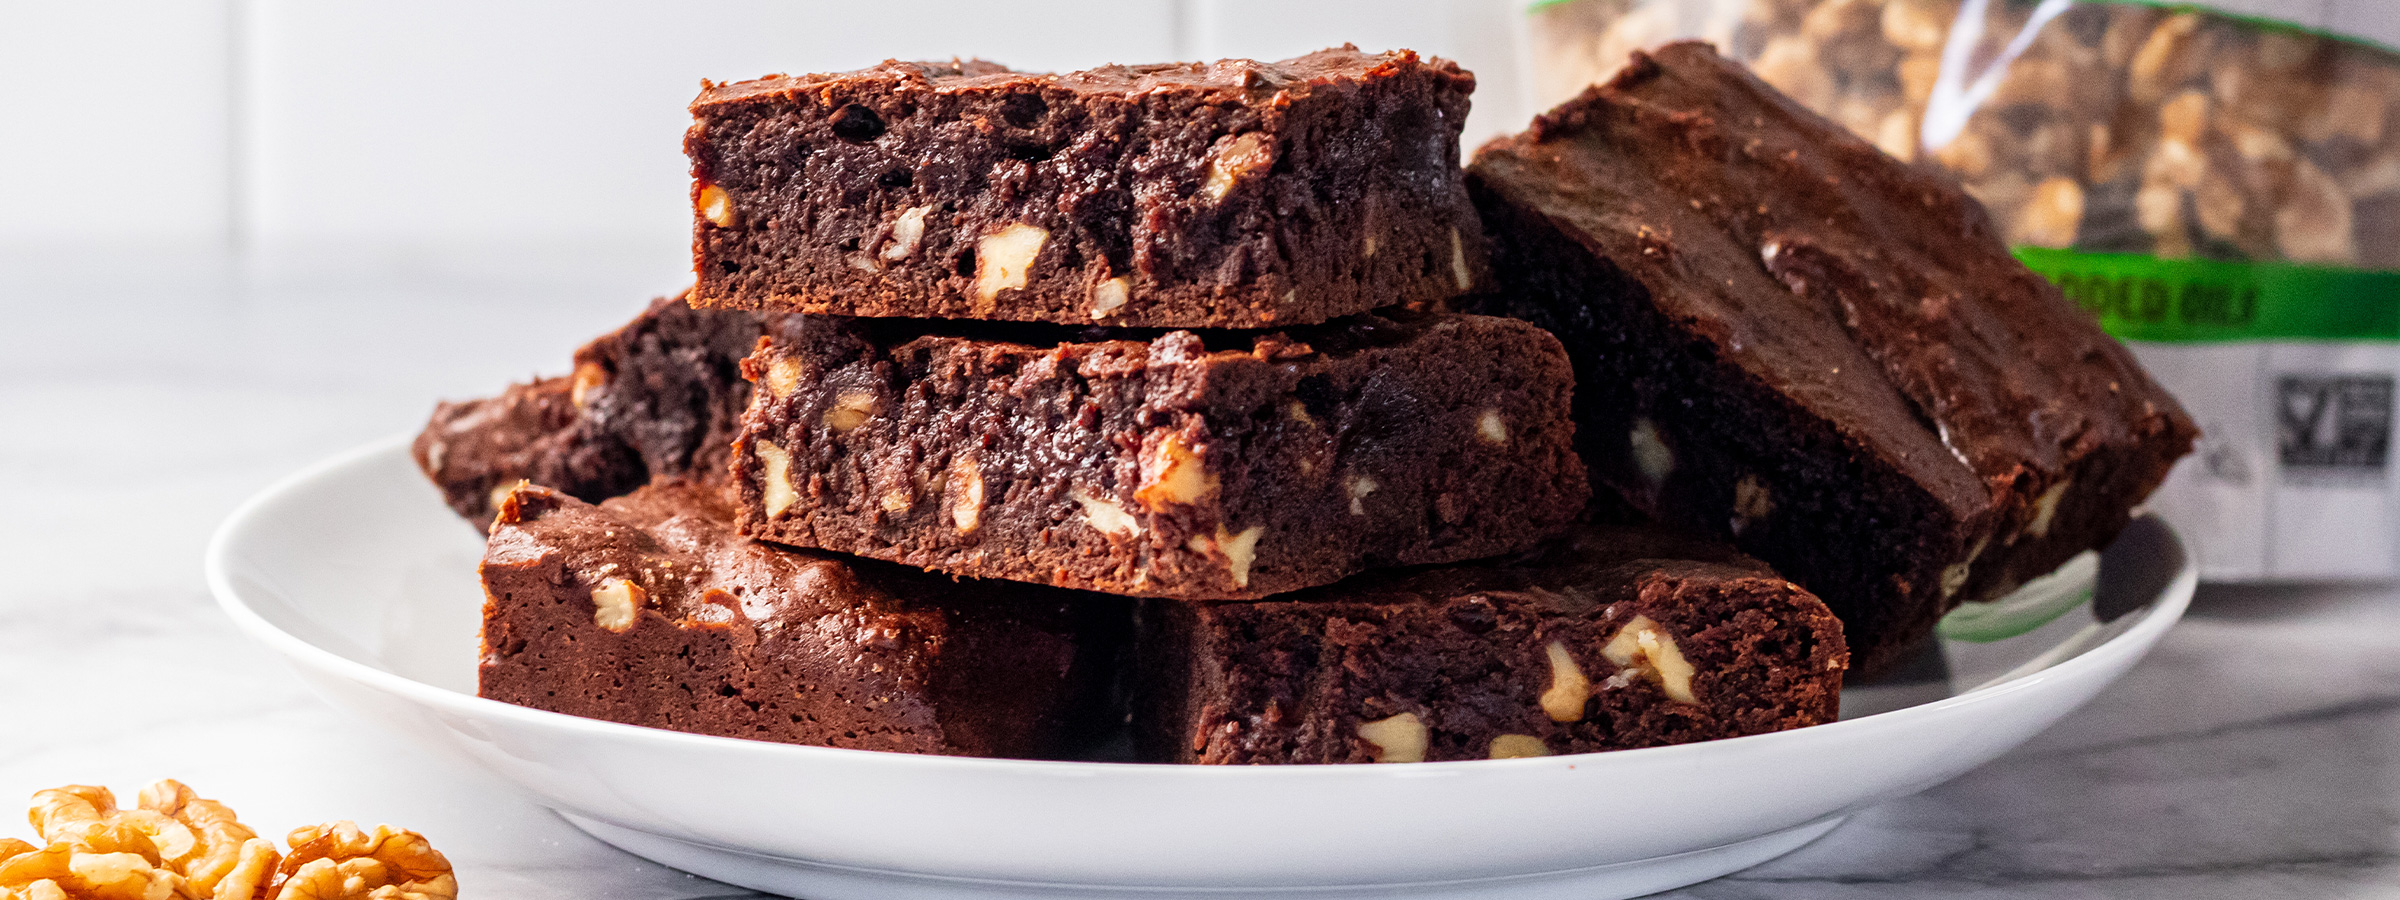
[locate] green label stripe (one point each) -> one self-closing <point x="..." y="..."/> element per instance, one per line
<point x="2144" y="298"/>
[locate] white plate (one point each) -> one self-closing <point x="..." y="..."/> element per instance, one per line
<point x="357" y="573"/>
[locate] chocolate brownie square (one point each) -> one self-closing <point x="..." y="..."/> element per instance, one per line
<point x="648" y="609"/>
<point x="1176" y="464"/>
<point x="656" y="399"/>
<point x="1237" y="194"/>
<point x="1786" y="338"/>
<point x="1613" y="638"/>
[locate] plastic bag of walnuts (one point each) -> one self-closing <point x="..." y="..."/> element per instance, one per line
<point x="2218" y="181"/>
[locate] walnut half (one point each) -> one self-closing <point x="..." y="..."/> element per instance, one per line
<point x="340" y="862"/>
<point x="178" y="846"/>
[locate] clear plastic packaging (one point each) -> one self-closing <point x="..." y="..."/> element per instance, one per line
<point x="2221" y="189"/>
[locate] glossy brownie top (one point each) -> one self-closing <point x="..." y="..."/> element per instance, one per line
<point x="1243" y="81"/>
<point x="1872" y="292"/>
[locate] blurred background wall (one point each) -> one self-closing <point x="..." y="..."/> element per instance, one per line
<point x="332" y="127"/>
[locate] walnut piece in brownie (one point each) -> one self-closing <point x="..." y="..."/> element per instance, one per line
<point x="1177" y="464"/>
<point x="659" y="398"/>
<point x="1610" y="639"/>
<point x="1786" y="338"/>
<point x="649" y="610"/>
<point x="1238" y="194"/>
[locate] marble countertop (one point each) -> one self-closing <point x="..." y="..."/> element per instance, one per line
<point x="147" y="391"/>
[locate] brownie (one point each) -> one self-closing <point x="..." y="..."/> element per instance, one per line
<point x="475" y="449"/>
<point x="1612" y="638"/>
<point x="1178" y="464"/>
<point x="1237" y="194"/>
<point x="659" y="398"/>
<point x="1786" y="338"/>
<point x="648" y="609"/>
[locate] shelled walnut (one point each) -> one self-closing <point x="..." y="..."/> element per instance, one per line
<point x="176" y="845"/>
<point x="2120" y="127"/>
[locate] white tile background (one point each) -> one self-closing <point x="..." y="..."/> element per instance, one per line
<point x="306" y="125"/>
<point x="115" y="117"/>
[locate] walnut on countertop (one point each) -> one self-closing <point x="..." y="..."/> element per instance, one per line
<point x="176" y="845"/>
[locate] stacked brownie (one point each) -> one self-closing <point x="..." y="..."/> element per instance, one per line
<point x="1009" y="409"/>
<point x="1792" y="341"/>
<point x="656" y="400"/>
<point x="649" y="609"/>
<point x="1611" y="638"/>
<point x="1149" y="330"/>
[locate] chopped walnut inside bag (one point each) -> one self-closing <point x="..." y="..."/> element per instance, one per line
<point x="2111" y="127"/>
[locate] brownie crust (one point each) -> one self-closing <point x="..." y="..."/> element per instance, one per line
<point x="1790" y="340"/>
<point x="1177" y="464"/>
<point x="649" y="610"/>
<point x="1613" y="638"/>
<point x="1238" y="194"/>
<point x="659" y="398"/>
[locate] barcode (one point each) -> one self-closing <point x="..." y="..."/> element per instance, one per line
<point x="2334" y="424"/>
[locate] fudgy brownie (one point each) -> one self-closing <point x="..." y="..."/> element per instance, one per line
<point x="648" y="609"/>
<point x="658" y="398"/>
<point x="1176" y="464"/>
<point x="1238" y="194"/>
<point x="1610" y="639"/>
<point x="1789" y="339"/>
